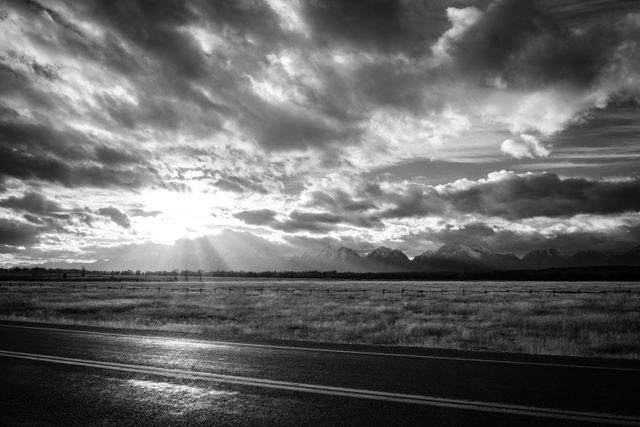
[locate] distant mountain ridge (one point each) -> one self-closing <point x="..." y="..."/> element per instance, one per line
<point x="459" y="257"/>
<point x="243" y="251"/>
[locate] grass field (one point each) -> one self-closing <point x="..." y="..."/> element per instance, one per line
<point x="585" y="324"/>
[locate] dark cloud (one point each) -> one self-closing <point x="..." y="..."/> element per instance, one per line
<point x="116" y="216"/>
<point x="45" y="152"/>
<point x="286" y="128"/>
<point x="379" y="25"/>
<point x="373" y="203"/>
<point x="156" y="31"/>
<point x="39" y="166"/>
<point x="14" y="233"/>
<point x="257" y="217"/>
<point x="238" y="184"/>
<point x="529" y="47"/>
<point x="316" y="222"/>
<point x="341" y="201"/>
<point x="33" y="203"/>
<point x="41" y="211"/>
<point x="113" y="156"/>
<point x="504" y="194"/>
<point x="546" y="194"/>
<point x="23" y="136"/>
<point x="587" y="10"/>
<point x="321" y="222"/>
<point x="297" y="220"/>
<point x="616" y="124"/>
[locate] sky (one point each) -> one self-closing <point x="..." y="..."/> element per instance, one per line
<point x="302" y="124"/>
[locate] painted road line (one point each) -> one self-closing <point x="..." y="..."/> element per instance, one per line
<point x="531" y="411"/>
<point x="321" y="350"/>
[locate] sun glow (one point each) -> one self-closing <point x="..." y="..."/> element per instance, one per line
<point x="181" y="215"/>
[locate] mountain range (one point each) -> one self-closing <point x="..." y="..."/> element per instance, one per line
<point x="456" y="258"/>
<point x="241" y="251"/>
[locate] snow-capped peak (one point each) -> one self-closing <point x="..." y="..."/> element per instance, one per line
<point x="475" y="251"/>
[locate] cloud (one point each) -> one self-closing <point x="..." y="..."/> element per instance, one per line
<point x="315" y="222"/>
<point x="143" y="213"/>
<point x="502" y="194"/>
<point x="33" y="203"/>
<point x="378" y="25"/>
<point x="113" y="156"/>
<point x="518" y="42"/>
<point x="461" y="20"/>
<point x="238" y="184"/>
<point x="513" y="196"/>
<point x="116" y="216"/>
<point x="527" y="147"/>
<point x="15" y="233"/>
<point x="41" y="151"/>
<point x="257" y="217"/>
<point x="305" y="220"/>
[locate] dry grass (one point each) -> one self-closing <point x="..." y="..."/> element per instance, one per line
<point x="594" y="325"/>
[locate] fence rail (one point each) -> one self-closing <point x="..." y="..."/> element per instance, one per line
<point x="336" y="291"/>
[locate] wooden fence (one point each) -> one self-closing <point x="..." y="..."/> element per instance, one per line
<point x="255" y="290"/>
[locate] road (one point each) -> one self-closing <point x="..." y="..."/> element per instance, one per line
<point x="54" y="375"/>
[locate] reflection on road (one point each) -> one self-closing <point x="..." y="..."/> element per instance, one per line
<point x="181" y="398"/>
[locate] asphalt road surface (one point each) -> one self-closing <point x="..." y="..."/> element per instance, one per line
<point x="52" y="375"/>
